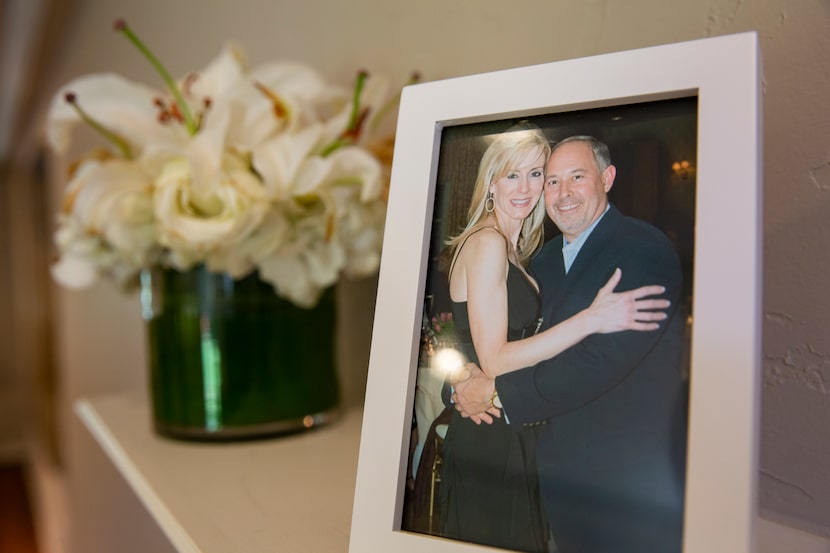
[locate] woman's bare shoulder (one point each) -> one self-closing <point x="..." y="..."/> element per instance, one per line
<point x="487" y="236"/>
<point x="486" y="241"/>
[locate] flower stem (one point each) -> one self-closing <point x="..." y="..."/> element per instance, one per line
<point x="116" y="140"/>
<point x="189" y="121"/>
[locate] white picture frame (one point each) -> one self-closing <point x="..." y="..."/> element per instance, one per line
<point x="724" y="73"/>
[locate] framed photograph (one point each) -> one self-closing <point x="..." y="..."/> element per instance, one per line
<point x="682" y="124"/>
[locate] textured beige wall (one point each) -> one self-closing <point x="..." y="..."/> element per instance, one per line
<point x="443" y="38"/>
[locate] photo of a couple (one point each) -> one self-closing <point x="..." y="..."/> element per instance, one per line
<point x="565" y="428"/>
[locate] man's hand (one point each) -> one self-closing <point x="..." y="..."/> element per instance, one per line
<point x="472" y="396"/>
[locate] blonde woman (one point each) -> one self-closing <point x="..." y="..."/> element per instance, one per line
<point x="489" y="486"/>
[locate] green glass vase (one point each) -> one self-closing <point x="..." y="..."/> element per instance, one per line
<point x="229" y="359"/>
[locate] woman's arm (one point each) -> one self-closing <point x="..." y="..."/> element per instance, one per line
<point x="485" y="272"/>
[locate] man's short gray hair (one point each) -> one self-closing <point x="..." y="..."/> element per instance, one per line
<point x="602" y="157"/>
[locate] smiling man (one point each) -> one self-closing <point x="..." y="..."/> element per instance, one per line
<point x="611" y="459"/>
<point x="577" y="182"/>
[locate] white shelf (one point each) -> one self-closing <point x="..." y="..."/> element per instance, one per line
<point x="292" y="493"/>
<point x="289" y="494"/>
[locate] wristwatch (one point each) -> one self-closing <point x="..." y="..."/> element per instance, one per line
<point x="495" y="400"/>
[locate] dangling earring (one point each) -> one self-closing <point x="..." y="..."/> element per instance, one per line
<point x="489" y="203"/>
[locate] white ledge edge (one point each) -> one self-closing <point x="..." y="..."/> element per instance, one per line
<point x="174" y="531"/>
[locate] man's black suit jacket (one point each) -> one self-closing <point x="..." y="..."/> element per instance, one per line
<point x="612" y="456"/>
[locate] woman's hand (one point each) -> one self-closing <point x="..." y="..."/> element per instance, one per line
<point x="631" y="310"/>
<point x="472" y="396"/>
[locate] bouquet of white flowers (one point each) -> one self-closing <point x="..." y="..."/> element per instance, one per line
<point x="267" y="170"/>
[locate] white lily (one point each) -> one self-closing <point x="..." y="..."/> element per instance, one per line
<point x="241" y="170"/>
<point x="273" y="99"/>
<point x="124" y="108"/>
<point x="336" y="201"/>
<point x="107" y="220"/>
<point x="305" y="264"/>
<point x="361" y="233"/>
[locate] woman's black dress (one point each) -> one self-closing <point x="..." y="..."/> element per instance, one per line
<point x="489" y="486"/>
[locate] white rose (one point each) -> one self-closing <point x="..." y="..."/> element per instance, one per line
<point x="262" y="242"/>
<point x="198" y="218"/>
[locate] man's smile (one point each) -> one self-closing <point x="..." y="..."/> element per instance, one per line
<point x="568" y="206"/>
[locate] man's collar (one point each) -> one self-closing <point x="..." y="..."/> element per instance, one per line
<point x="587" y="232"/>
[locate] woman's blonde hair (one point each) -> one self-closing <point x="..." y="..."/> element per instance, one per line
<point x="506" y="151"/>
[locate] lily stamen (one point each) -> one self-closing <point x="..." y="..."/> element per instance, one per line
<point x="175" y="113"/>
<point x="115" y="139"/>
<point x="183" y="111"/>
<point x="351" y="133"/>
<point x="188" y="82"/>
<point x="280" y="108"/>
